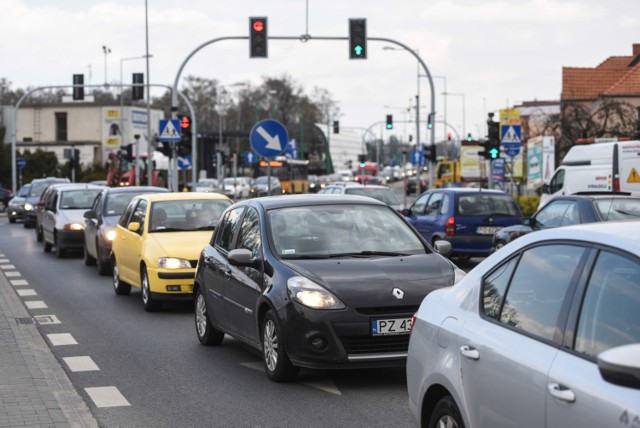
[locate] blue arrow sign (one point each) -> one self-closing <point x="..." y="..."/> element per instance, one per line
<point x="170" y="130"/>
<point x="21" y="163"/>
<point x="184" y="162"/>
<point x="250" y="157"/>
<point x="291" y="151"/>
<point x="511" y="139"/>
<point x="416" y="157"/>
<point x="268" y="138"/>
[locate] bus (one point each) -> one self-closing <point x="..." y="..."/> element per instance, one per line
<point x="292" y="173"/>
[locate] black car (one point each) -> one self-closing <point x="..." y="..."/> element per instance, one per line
<point x="16" y="204"/>
<point x="101" y="221"/>
<point x="573" y="209"/>
<point x="5" y="197"/>
<point x="38" y="186"/>
<point x="415" y="184"/>
<point x="261" y="187"/>
<point x="317" y="281"/>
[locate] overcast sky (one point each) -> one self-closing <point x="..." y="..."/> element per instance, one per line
<point x="495" y="53"/>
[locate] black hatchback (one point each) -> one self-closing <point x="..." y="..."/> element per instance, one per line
<point x="316" y="281"/>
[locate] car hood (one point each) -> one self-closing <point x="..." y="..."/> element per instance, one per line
<point x="184" y="245"/>
<point x="369" y="282"/>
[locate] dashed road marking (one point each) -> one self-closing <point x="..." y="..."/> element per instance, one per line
<point x="60" y="339"/>
<point x="36" y="304"/>
<point x="16" y="282"/>
<point x="4" y="260"/>
<point x="3" y="267"/>
<point x="46" y="319"/>
<point x="26" y="292"/>
<point x="81" y="364"/>
<point x="12" y="274"/>
<point x="107" y="396"/>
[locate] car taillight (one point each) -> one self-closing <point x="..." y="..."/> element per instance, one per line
<point x="616" y="184"/>
<point x="450" y="226"/>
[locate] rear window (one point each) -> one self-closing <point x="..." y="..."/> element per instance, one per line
<point x="486" y="204"/>
<point x="618" y="209"/>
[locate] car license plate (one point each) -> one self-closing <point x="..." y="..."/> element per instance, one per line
<point x="488" y="230"/>
<point x="390" y="326"/>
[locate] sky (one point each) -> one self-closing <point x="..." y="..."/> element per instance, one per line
<point x="490" y="54"/>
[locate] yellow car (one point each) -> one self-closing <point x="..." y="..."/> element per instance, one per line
<point x="158" y="241"/>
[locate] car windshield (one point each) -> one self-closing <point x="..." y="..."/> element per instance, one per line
<point x="233" y="181"/>
<point x="24" y="192"/>
<point x="186" y="215"/>
<point x="486" y="204"/>
<point x="383" y="195"/>
<point x="117" y="202"/>
<point x="322" y="231"/>
<point x="78" y="199"/>
<point x="37" y="189"/>
<point x="618" y="208"/>
<point x="264" y="180"/>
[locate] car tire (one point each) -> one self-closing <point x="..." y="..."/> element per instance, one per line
<point x="39" y="235"/>
<point x="207" y="334"/>
<point x="60" y="252"/>
<point x="26" y="225"/>
<point x="148" y="303"/>
<point x="47" y="247"/>
<point x="446" y="414"/>
<point x="104" y="268"/>
<point x="500" y="244"/>
<point x="88" y="260"/>
<point x="12" y="220"/>
<point x="274" y="355"/>
<point x="120" y="287"/>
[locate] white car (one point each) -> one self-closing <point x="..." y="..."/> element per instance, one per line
<point x="207" y="185"/>
<point x="543" y="333"/>
<point x="237" y="187"/>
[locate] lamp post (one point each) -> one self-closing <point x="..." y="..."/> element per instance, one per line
<point x="464" y="128"/>
<point x="444" y="104"/>
<point x="106" y="51"/>
<point x="222" y="111"/>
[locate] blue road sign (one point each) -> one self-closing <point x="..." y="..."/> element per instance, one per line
<point x="511" y="139"/>
<point x="497" y="170"/>
<point x="250" y="157"/>
<point x="170" y="130"/>
<point x="268" y="138"/>
<point x="184" y="162"/>
<point x="291" y="151"/>
<point x="21" y="163"/>
<point x="416" y="157"/>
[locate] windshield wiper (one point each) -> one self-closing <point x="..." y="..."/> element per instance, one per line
<point x="305" y="256"/>
<point x="369" y="253"/>
<point x="168" y="229"/>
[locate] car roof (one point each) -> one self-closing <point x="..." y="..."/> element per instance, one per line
<point x="181" y="196"/>
<point x="77" y="186"/>
<point x="619" y="234"/>
<point x="130" y="189"/>
<point x="285" y="201"/>
<point x="52" y="179"/>
<point x="469" y="190"/>
<point x="357" y="185"/>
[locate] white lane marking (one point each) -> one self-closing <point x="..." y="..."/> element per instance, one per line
<point x="12" y="274"/>
<point x="325" y="385"/>
<point x="47" y="319"/>
<point x="81" y="364"/>
<point x="36" y="304"/>
<point x="16" y="282"/>
<point x="255" y="365"/>
<point x="3" y="267"/>
<point x="60" y="339"/>
<point x="107" y="396"/>
<point x="4" y="260"/>
<point x="26" y="292"/>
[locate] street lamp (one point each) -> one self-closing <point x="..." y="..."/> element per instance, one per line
<point x="445" y="103"/>
<point x="464" y="128"/>
<point x="106" y="51"/>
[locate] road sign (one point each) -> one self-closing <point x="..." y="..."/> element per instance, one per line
<point x="250" y="158"/>
<point x="497" y="170"/>
<point x="21" y="163"/>
<point x="291" y="151"/>
<point x="170" y="130"/>
<point x="184" y="162"/>
<point x="511" y="139"/>
<point x="416" y="157"/>
<point x="268" y="138"/>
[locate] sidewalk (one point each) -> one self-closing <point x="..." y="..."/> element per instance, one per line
<point x="34" y="388"/>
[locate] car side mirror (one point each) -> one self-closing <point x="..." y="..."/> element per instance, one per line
<point x="241" y="257"/>
<point x="91" y="214"/>
<point x="527" y="221"/>
<point x="545" y="188"/>
<point x="134" y="226"/>
<point x="406" y="212"/>
<point x="442" y="247"/>
<point x="621" y="365"/>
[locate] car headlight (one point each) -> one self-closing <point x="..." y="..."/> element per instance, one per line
<point x="310" y="294"/>
<point x="28" y="207"/>
<point x="458" y="274"/>
<point x="73" y="226"/>
<point x="173" y="263"/>
<point x="110" y="234"/>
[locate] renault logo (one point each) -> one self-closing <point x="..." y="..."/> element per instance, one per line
<point x="399" y="294"/>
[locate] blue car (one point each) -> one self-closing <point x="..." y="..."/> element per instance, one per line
<point x="465" y="217"/>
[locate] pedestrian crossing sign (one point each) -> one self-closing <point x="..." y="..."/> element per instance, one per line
<point x="170" y="130"/>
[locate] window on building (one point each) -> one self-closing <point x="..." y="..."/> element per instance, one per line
<point x="61" y="126"/>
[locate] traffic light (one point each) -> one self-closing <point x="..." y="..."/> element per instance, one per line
<point x="336" y="127"/>
<point x="258" y="37"/>
<point x="357" y="38"/>
<point x="469" y="138"/>
<point x="127" y="152"/>
<point x="430" y="153"/>
<point x="78" y="86"/>
<point x="484" y="153"/>
<point x="185" y="144"/>
<point x="389" y="121"/>
<point x="430" y="121"/>
<point x="493" y="131"/>
<point x="137" y="91"/>
<point x="448" y="136"/>
<point x="494" y="149"/>
<point x="362" y="160"/>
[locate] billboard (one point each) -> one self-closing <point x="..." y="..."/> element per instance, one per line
<point x="540" y="161"/>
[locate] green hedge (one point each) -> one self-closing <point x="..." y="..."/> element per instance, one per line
<point x="528" y="204"/>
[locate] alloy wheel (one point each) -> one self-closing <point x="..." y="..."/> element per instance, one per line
<point x="201" y="315"/>
<point x="447" y="422"/>
<point x="270" y="345"/>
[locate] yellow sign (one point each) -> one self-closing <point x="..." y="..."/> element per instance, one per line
<point x="112" y="141"/>
<point x="510" y="116"/>
<point x="634" y="177"/>
<point x="112" y="114"/>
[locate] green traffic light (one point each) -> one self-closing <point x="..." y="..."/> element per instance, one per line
<point x="430" y="125"/>
<point x="389" y="126"/>
<point x="469" y="137"/>
<point x="358" y="50"/>
<point x="494" y="153"/>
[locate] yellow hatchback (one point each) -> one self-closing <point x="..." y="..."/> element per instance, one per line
<point x="158" y="240"/>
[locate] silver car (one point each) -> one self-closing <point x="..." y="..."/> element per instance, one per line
<point x="543" y="333"/>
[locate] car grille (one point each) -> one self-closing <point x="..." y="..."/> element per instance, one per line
<point x="389" y="310"/>
<point x="372" y="345"/>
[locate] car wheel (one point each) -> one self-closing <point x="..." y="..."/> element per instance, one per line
<point x="274" y="355"/>
<point x="121" y="288"/>
<point x="59" y="250"/>
<point x="39" y="235"/>
<point x="103" y="268"/>
<point x="47" y="247"/>
<point x="446" y="414"/>
<point x="12" y="220"/>
<point x="464" y="256"/>
<point x="88" y="260"/>
<point x="207" y="334"/>
<point x="500" y="244"/>
<point x="149" y="304"/>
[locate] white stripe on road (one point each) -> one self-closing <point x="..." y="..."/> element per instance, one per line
<point x="107" y="396"/>
<point x="3" y="267"/>
<point x="12" y="274"/>
<point x="325" y="385"/>
<point x="4" y="260"/>
<point x="16" y="282"/>
<point x="81" y="364"/>
<point x="26" y="292"/>
<point x="60" y="339"/>
<point x="47" y="319"/>
<point x="36" y="304"/>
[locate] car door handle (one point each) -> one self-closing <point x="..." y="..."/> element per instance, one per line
<point x="561" y="392"/>
<point x="227" y="272"/>
<point x="470" y="352"/>
<point x="208" y="260"/>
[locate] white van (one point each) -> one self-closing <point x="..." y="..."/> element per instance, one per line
<point x="599" y="167"/>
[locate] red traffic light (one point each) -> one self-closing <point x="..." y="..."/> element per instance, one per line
<point x="258" y="25"/>
<point x="185" y="122"/>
